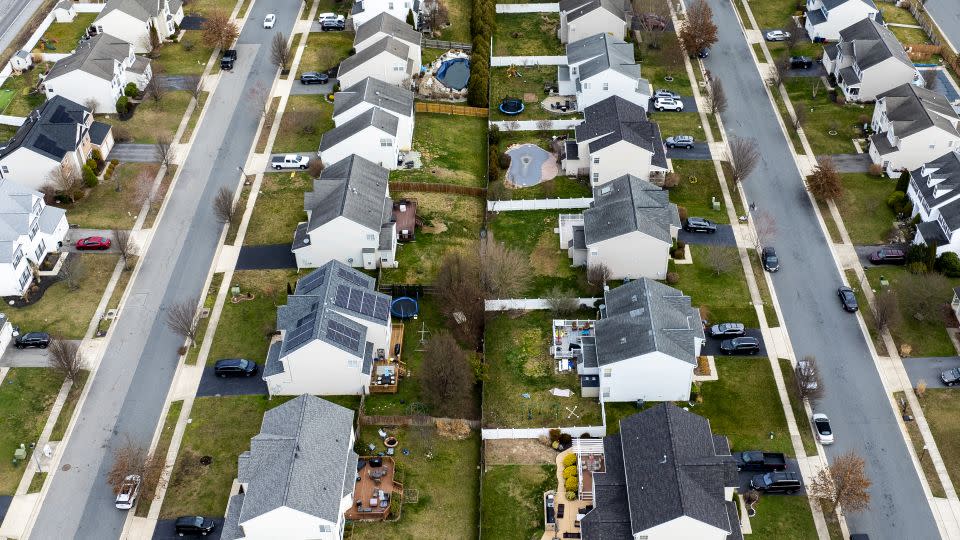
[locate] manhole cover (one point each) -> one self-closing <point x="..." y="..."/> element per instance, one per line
<point x="206" y="460"/>
<point x="66" y="467"/>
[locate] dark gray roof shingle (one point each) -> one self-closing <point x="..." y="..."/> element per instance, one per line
<point x="375" y="117"/>
<point x="873" y="43"/>
<point x="354" y="188"/>
<point x="377" y="93"/>
<point x="388" y="44"/>
<point x="52" y="130"/>
<point x="574" y="9"/>
<point x="628" y="204"/>
<point x="615" y="119"/>
<point x="940" y="187"/>
<point x="389" y="25"/>
<point x="96" y="56"/>
<point x="601" y="52"/>
<point x="911" y="109"/>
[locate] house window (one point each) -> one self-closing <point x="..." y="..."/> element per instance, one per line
<point x="932" y="146"/>
<point x="596" y="160"/>
<point x="370" y="238"/>
<point x="325" y="528"/>
<point x="398" y="68"/>
<point x="24" y="277"/>
<point x="606" y="86"/>
<point x="40" y="249"/>
<point x="596" y="177"/>
<point x="586" y="86"/>
<point x="353" y="364"/>
<point x="17" y="257"/>
<point x="390" y="6"/>
<point x="386" y="142"/>
<point x="34" y="227"/>
<point x="4" y="169"/>
<point x="607" y="372"/>
<point x="606" y="392"/>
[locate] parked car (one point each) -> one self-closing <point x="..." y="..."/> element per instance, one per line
<point x="847" y="299"/>
<point x="269" y="20"/>
<point x="801" y="62"/>
<point x="740" y="345"/>
<point x="703" y="53"/>
<point x="333" y="25"/>
<point x="951" y="377"/>
<point x="290" y="161"/>
<point x="667" y="104"/>
<point x="805" y="375"/>
<point x="684" y="141"/>
<point x="194" y="525"/>
<point x="228" y="59"/>
<point x="312" y="77"/>
<point x="329" y="17"/>
<point x="93" y="242"/>
<point x="777" y="35"/>
<point x="129" y="489"/>
<point x="40" y="340"/>
<point x="777" y="482"/>
<point x="234" y="367"/>
<point x="665" y="94"/>
<point x="727" y="329"/>
<point x="821" y="425"/>
<point x="755" y="460"/>
<point x="888" y="256"/>
<point x="697" y="224"/>
<point x="771" y="263"/>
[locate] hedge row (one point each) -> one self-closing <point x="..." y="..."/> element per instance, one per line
<point x="481" y="28"/>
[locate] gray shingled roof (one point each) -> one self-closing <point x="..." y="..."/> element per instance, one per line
<point x="299" y="460"/>
<point x="354" y="188"/>
<point x="389" y="25"/>
<point x="911" y="109"/>
<point x="141" y="9"/>
<point x="375" y="92"/>
<point x="16" y="215"/>
<point x="815" y="17"/>
<point x="52" y="130"/>
<point x="601" y="52"/>
<point x="662" y="465"/>
<point x="644" y="316"/>
<point x="943" y="178"/>
<point x="873" y="43"/>
<point x="96" y="56"/>
<point x="615" y="119"/>
<point x="375" y="117"/>
<point x="629" y="204"/>
<point x="830" y="4"/>
<point x="574" y="9"/>
<point x="388" y="44"/>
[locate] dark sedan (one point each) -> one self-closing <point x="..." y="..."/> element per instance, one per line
<point x="771" y="263"/>
<point x="234" y="367"/>
<point x="847" y="299"/>
<point x="194" y="525"/>
<point x="312" y="77"/>
<point x="740" y="345"/>
<point x="951" y="377"/>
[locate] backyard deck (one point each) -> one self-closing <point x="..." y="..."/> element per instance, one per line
<point x="387" y="372"/>
<point x="405" y="215"/>
<point x="567" y="513"/>
<point x="374" y="491"/>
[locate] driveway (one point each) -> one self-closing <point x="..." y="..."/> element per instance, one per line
<point x="858" y="408"/>
<point x="712" y="346"/>
<point x="929" y="369"/>
<point x="700" y="151"/>
<point x="312" y="154"/>
<point x="298" y="89"/>
<point x="32" y="357"/>
<point x="744" y="477"/>
<point x="177" y="82"/>
<point x="135" y="153"/>
<point x="864" y="252"/>
<point x="689" y="105"/>
<point x="723" y="237"/>
<point x="165" y="530"/>
<point x="211" y="385"/>
<point x="850" y="163"/>
<point x="139" y="361"/>
<point x="268" y="257"/>
<point x="70" y="242"/>
<point x="817" y="70"/>
<point x="192" y="22"/>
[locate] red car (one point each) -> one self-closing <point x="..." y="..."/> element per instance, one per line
<point x="93" y="242"/>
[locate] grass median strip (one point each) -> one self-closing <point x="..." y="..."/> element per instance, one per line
<point x="865" y="311"/>
<point x="799" y="412"/>
<point x="26" y="396"/>
<point x="163" y="445"/>
<point x="66" y="412"/>
<point x="194" y="117"/>
<point x="916" y="439"/>
<point x="758" y="275"/>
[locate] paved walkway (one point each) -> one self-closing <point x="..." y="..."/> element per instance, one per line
<point x="134" y="153"/>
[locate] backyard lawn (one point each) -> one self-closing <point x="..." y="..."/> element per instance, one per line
<point x="893" y="14"/>
<point x="106" y="208"/>
<point x="780" y="516"/>
<point x="279" y="208"/>
<point x="940" y="407"/>
<point x="16" y="94"/>
<point x="527" y="80"/>
<point x="459" y="13"/>
<point x="26" y="396"/>
<point x="324" y="51"/>
<point x="512" y="503"/>
<point x="725" y="297"/>
<point x="698" y="186"/>
<point x="563" y="187"/>
<point x="66" y="36"/>
<point x="864" y="208"/>
<point x="303" y="123"/>
<point x="661" y="61"/>
<point x="910" y="36"/>
<point x="521" y="374"/>
<point x="527" y="34"/>
<point x="152" y="119"/>
<point x="826" y="116"/>
<point x="453" y="150"/>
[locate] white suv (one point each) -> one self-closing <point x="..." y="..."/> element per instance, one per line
<point x="667" y="104"/>
<point x="129" y="490"/>
<point x="332" y="17"/>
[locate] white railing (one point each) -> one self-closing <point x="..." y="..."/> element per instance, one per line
<point x="536" y="125"/>
<point x="504" y="61"/>
<point x="528" y="8"/>
<point x="8" y="120"/>
<point x="508" y="304"/>
<point x="533" y="433"/>
<point x="539" y="204"/>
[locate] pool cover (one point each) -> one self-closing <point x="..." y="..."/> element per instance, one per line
<point x="526" y="163"/>
<point x="454" y="73"/>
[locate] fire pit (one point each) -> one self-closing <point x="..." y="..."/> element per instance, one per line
<point x="390" y="442"/>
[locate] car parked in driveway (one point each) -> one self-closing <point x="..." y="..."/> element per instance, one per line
<point x="888" y="256"/>
<point x="234" y="367"/>
<point x="740" y="345"/>
<point x="727" y="329"/>
<point x="194" y="525"/>
<point x="665" y="94"/>
<point x="777" y="482"/>
<point x="93" y="242"/>
<point x="771" y="263"/>
<point x="668" y="104"/>
<point x="698" y="224"/>
<point x="821" y="426"/>
<point x="777" y="35"/>
<point x="683" y="141"/>
<point x="333" y="25"/>
<point x="40" y="340"/>
<point x="312" y="77"/>
<point x="951" y="377"/>
<point x="847" y="299"/>
<point x="329" y="17"/>
<point x="269" y="20"/>
<point x="801" y="62"/>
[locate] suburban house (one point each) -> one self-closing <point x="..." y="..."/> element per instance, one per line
<point x="64" y="11"/>
<point x="373" y="93"/>
<point x="581" y="19"/>
<point x="615" y="139"/>
<point x="334" y="326"/>
<point x="349" y="218"/>
<point x="826" y="18"/>
<point x="97" y="72"/>
<point x="364" y="10"/>
<point x="645" y="344"/>
<point x="630" y="227"/>
<point x="868" y="61"/>
<point x="386" y="25"/>
<point x="934" y="191"/>
<point x="372" y="134"/>
<point x="388" y="59"/>
<point x="134" y="20"/>
<point x="912" y="125"/>
<point x="601" y="66"/>
<point x="29" y="231"/>
<point x="666" y="475"/>
<point x="297" y="479"/>
<point x="58" y="133"/>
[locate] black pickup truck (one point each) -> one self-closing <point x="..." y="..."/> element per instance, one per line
<point x="758" y="461"/>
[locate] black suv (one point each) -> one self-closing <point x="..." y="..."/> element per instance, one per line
<point x="740" y="345"/>
<point x="777" y="482"/>
<point x="234" y="367"/>
<point x="194" y="525"/>
<point x="332" y="24"/>
<point x="228" y="58"/>
<point x="312" y="77"/>
<point x="40" y="340"/>
<point x="801" y="62"/>
<point x="771" y="263"/>
<point x="696" y="224"/>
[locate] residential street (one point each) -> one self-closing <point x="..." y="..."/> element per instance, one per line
<point x="947" y="15"/>
<point x="14" y="14"/>
<point x="135" y="374"/>
<point x="806" y="285"/>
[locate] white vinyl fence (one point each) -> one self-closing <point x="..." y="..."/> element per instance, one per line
<point x="507" y="304"/>
<point x="538" y="204"/>
<point x="536" y="125"/>
<point x="533" y="433"/>
<point x="8" y="120"/>
<point x="528" y="8"/>
<point x="504" y="61"/>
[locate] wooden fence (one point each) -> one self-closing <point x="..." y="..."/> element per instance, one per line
<point x="427" y="187"/>
<point x="450" y="108"/>
<point x="441" y="44"/>
<point x="412" y="420"/>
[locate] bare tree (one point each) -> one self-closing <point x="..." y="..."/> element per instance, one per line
<point x="259" y="99"/>
<point x="778" y="71"/>
<point x="280" y="51"/>
<point x="504" y="272"/>
<point x="155" y="89"/>
<point x="66" y="180"/>
<point x="809" y="382"/>
<point x="72" y="271"/>
<point x="697" y="32"/>
<point x="457" y="286"/>
<point x="843" y="484"/>
<point x="164" y="148"/>
<point x="219" y="31"/>
<point x="800" y="117"/>
<point x="182" y="318"/>
<point x="197" y="90"/>
<point x="598" y="274"/>
<point x="744" y="156"/>
<point x="121" y="239"/>
<point x="716" y="97"/>
<point x="133" y="459"/>
<point x="764" y="228"/>
<point x="825" y="182"/>
<point x="720" y="259"/>
<point x="65" y="357"/>
<point x="794" y="39"/>
<point x="562" y="302"/>
<point x="446" y="375"/>
<point x="223" y="206"/>
<point x="142" y="186"/>
<point x="886" y="311"/>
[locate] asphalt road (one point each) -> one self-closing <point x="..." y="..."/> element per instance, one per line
<point x="947" y="15"/>
<point x="134" y="377"/>
<point x="14" y="14"/>
<point x="806" y="285"/>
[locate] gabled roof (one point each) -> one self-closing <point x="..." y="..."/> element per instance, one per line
<point x="911" y="109"/>
<point x="299" y="461"/>
<point x="388" y="45"/>
<point x="375" y="92"/>
<point x="628" y="204"/>
<point x="354" y="188"/>
<point x="389" y="25"/>
<point x="601" y="52"/>
<point x="16" y="215"/>
<point x="831" y="4"/>
<point x="645" y="316"/>
<point x="615" y="119"/>
<point x="97" y="56"/>
<point x="940" y="177"/>
<point x="140" y="9"/>
<point x="574" y="9"/>
<point x="52" y="130"/>
<point x="375" y="117"/>
<point x="873" y="43"/>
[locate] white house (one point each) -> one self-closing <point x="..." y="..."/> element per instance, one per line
<point x="388" y="60"/>
<point x="59" y="133"/>
<point x="630" y="227"/>
<point x="825" y="18"/>
<point x="296" y="481"/>
<point x="601" y="66"/>
<point x="646" y="344"/>
<point x="21" y="61"/>
<point x="868" y="61"/>
<point x="97" y="72"/>
<point x="64" y="11"/>
<point x="386" y="25"/>
<point x="373" y="93"/>
<point x="581" y="19"/>
<point x="665" y="475"/>
<point x="372" y="135"/>
<point x="349" y="218"/>
<point x="364" y="10"/>
<point x="29" y="231"/>
<point x="912" y="126"/>
<point x="615" y="139"/>
<point x="134" y="20"/>
<point x="334" y="326"/>
<point x="934" y="191"/>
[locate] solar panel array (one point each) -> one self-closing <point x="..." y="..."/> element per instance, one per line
<point x="343" y="335"/>
<point x="312" y="281"/>
<point x="302" y="333"/>
<point x="367" y="303"/>
<point x="352" y="277"/>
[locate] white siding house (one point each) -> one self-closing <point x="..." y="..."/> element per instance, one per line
<point x="388" y="60"/>
<point x="373" y="93"/>
<point x="29" y="231"/>
<point x="912" y="126"/>
<point x="383" y="26"/>
<point x="364" y="10"/>
<point x="934" y="191"/>
<point x="581" y="19"/>
<point x="868" y="61"/>
<point x="133" y="20"/>
<point x="826" y="18"/>
<point x="599" y="67"/>
<point x="372" y="135"/>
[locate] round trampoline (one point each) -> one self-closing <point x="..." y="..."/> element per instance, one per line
<point x="526" y="164"/>
<point x="511" y="106"/>
<point x="404" y="307"/>
<point x="454" y="73"/>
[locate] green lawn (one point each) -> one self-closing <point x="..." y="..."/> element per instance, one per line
<point x="679" y="123"/>
<point x="204" y="7"/>
<point x="893" y="14"/>
<point x="459" y="13"/>
<point x="18" y="92"/>
<point x="66" y="36"/>
<point x="518" y="364"/>
<point x="106" y="208"/>
<point x="725" y="297"/>
<point x="304" y="121"/>
<point x="153" y="118"/>
<point x="60" y="426"/>
<point x="563" y="187"/>
<point x="527" y="34"/>
<point x="64" y="312"/>
<point x="662" y="61"/>
<point x="826" y="116"/>
<point x="26" y="396"/>
<point x="698" y="187"/>
<point x="279" y="208"/>
<point x="910" y="36"/>
<point x="927" y="337"/>
<point x="188" y="57"/>
<point x="940" y="407"/>
<point x="325" y="50"/>
<point x="799" y="413"/>
<point x="529" y="80"/>
<point x="194" y="117"/>
<point x="864" y="208"/>
<point x="616" y="411"/>
<point x="774" y="13"/>
<point x="781" y="516"/>
<point x="453" y="149"/>
<point x="512" y="502"/>
<point x="916" y="439"/>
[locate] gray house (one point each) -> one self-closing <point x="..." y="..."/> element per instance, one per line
<point x="297" y="478"/>
<point x="665" y="475"/>
<point x="584" y="18"/>
<point x="934" y="191"/>
<point x="868" y="61"/>
<point x="372" y="135"/>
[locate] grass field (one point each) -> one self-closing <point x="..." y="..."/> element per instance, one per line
<point x="781" y="516"/>
<point x="26" y="396"/>
<point x="864" y="208"/>
<point x="698" y="187"/>
<point x="453" y="150"/>
<point x="188" y="57"/>
<point x="17" y="96"/>
<point x="279" y="208"/>
<point x="303" y="123"/>
<point x="459" y="13"/>
<point x="152" y="118"/>
<point x="63" y="420"/>
<point x="104" y="207"/>
<point x="66" y="36"/>
<point x="324" y="51"/>
<point x="824" y="116"/>
<point x="512" y="500"/>
<point x="529" y="80"/>
<point x="940" y="407"/>
<point x="725" y="297"/>
<point x="527" y="34"/>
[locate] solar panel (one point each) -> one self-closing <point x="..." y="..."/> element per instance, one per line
<point x="356" y="300"/>
<point x="298" y="337"/>
<point x="312" y="280"/>
<point x="366" y="306"/>
<point x="352" y="277"/>
<point x="382" y="308"/>
<point x="309" y="318"/>
<point x="343" y="296"/>
<point x="343" y="335"/>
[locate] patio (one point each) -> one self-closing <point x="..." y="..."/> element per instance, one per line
<point x="375" y="489"/>
<point x="567" y="338"/>
<point x="567" y="514"/>
<point x="560" y="104"/>
<point x="387" y="371"/>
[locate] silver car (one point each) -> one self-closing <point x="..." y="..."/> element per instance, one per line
<point x="777" y="35"/>
<point x="683" y="141"/>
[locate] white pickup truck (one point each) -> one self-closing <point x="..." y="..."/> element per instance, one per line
<point x="290" y="161"/>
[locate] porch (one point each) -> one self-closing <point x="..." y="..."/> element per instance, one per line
<point x="375" y="489"/>
<point x="386" y="372"/>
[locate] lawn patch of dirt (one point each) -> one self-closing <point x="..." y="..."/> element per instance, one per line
<point x="518" y="452"/>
